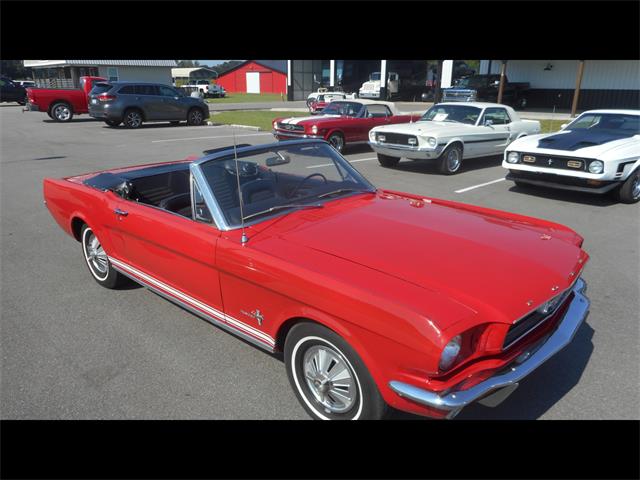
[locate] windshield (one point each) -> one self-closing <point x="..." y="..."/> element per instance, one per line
<point x="347" y="109"/>
<point x="452" y="113"/>
<point x="375" y="76"/>
<point x="281" y="179"/>
<point x="610" y="122"/>
<point x="472" y="82"/>
<point x="99" y="88"/>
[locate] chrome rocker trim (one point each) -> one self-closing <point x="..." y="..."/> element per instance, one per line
<point x="501" y="385"/>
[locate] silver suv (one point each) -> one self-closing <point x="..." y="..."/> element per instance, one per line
<point x="133" y="103"/>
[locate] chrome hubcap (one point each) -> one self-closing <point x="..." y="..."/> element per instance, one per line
<point x="635" y="188"/>
<point x="96" y="255"/>
<point x="337" y="142"/>
<point x="62" y="113"/>
<point x="453" y="160"/>
<point x="329" y="379"/>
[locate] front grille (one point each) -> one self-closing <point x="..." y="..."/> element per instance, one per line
<point x="528" y="324"/>
<point x="288" y="127"/>
<point x="547" y="161"/>
<point x="396" y="139"/>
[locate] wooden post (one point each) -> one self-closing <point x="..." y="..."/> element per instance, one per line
<point x="576" y="93"/>
<point x="503" y="70"/>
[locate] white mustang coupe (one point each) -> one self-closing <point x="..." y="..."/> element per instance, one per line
<point x="598" y="152"/>
<point x="451" y="132"/>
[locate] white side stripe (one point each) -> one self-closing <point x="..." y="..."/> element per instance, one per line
<point x="196" y="303"/>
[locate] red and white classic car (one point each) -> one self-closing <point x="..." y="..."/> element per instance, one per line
<point x="342" y="122"/>
<point x="376" y="297"/>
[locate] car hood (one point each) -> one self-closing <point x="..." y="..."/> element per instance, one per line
<point x="582" y="143"/>
<point x="496" y="264"/>
<point x="308" y="120"/>
<point x="426" y="128"/>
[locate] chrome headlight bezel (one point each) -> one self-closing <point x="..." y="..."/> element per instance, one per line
<point x="314" y="129"/>
<point x="599" y="167"/>
<point x="431" y="141"/>
<point x="513" y="157"/>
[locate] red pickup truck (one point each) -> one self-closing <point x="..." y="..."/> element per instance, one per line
<point x="61" y="103"/>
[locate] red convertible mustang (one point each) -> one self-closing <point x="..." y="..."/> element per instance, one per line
<point x="341" y="122"/>
<point x="375" y="297"/>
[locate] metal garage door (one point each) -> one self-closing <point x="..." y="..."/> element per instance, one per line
<point x="253" y="82"/>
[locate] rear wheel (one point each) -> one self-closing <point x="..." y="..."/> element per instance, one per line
<point x="387" y="161"/>
<point x="133" y="118"/>
<point x="61" y="112"/>
<point x="195" y="117"/>
<point x="451" y="160"/>
<point x="629" y="192"/>
<point x="328" y="377"/>
<point x="98" y="261"/>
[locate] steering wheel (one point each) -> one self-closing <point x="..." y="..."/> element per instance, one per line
<point x="301" y="182"/>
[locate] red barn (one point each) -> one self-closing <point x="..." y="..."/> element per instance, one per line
<point x="256" y="76"/>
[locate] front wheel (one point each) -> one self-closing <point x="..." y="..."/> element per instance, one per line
<point x="337" y="140"/>
<point x="195" y="117"/>
<point x="61" y="112"/>
<point x="629" y="192"/>
<point x="98" y="261"/>
<point x="451" y="160"/>
<point x="387" y="161"/>
<point x="328" y="377"/>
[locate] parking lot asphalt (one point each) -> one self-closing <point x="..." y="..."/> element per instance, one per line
<point x="74" y="350"/>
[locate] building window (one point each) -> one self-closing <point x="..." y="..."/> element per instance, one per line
<point x="112" y="73"/>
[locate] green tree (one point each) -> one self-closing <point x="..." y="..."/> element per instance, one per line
<point x="15" y="69"/>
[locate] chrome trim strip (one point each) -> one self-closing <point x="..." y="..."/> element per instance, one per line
<point x="200" y="307"/>
<point x="395" y="146"/>
<point x="209" y="198"/>
<point x="560" y="338"/>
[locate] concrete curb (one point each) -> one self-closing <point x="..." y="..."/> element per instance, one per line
<point x="246" y="127"/>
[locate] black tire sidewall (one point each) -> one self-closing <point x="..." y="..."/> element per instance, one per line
<point x="369" y="404"/>
<point x="53" y="110"/>
<point x="444" y="164"/>
<point x="624" y="192"/>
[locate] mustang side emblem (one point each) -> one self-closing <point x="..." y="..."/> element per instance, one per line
<point x="256" y="314"/>
<point x="544" y="236"/>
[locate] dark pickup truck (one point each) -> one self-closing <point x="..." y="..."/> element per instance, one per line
<point x="484" y="88"/>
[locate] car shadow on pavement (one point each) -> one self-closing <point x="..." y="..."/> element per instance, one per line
<point x="585" y="198"/>
<point x="74" y="120"/>
<point x="431" y="166"/>
<point x="539" y="391"/>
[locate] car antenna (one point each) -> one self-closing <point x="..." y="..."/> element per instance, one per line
<point x="244" y="238"/>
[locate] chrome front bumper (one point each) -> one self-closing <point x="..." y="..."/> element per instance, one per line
<point x="495" y="389"/>
<point x="406" y="151"/>
<point x="283" y="135"/>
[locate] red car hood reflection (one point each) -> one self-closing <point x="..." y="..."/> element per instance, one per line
<point x="497" y="264"/>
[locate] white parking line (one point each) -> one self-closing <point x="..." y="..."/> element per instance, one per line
<point x="350" y="161"/>
<point x="203" y="138"/>
<point x="478" y="186"/>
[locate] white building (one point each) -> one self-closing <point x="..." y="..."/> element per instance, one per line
<point x="67" y="73"/>
<point x="604" y="83"/>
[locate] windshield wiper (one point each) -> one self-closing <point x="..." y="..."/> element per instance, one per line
<point x="280" y="207"/>
<point x="343" y="190"/>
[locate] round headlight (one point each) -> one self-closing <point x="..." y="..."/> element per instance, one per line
<point x="596" y="166"/>
<point x="314" y="129"/>
<point x="372" y="136"/>
<point x="513" y="157"/>
<point x="432" y="141"/>
<point x="450" y="353"/>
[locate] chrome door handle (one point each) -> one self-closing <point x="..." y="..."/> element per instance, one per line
<point x="122" y="213"/>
